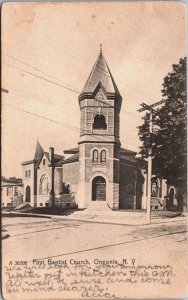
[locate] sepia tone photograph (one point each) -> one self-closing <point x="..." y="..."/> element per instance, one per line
<point x="93" y="150"/>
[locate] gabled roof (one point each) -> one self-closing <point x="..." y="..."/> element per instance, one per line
<point x="128" y="155"/>
<point x="127" y="152"/>
<point x="72" y="158"/>
<point x="57" y="158"/>
<point x="71" y="151"/>
<point x="39" y="160"/>
<point x="100" y="74"/>
<point x="59" y="163"/>
<point x="28" y="162"/>
<point x="38" y="152"/>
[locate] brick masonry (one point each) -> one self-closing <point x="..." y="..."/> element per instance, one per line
<point x="121" y="175"/>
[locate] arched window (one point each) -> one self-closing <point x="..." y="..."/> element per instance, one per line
<point x="103" y="156"/>
<point x="43" y="187"/>
<point x="95" y="156"/>
<point x="154" y="187"/>
<point x="99" y="122"/>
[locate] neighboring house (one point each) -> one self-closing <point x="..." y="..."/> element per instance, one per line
<point x="11" y="193"/>
<point x="98" y="172"/>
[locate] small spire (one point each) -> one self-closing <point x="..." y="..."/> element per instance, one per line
<point x="100" y="48"/>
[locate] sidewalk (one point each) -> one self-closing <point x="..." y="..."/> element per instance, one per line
<point x="133" y="218"/>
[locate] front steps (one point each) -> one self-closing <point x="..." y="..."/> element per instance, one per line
<point x="98" y="206"/>
<point x="156" y="204"/>
<point x="22" y="205"/>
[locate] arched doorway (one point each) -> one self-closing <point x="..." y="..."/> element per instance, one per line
<point x="28" y="194"/>
<point x="99" y="189"/>
<point x="171" y="196"/>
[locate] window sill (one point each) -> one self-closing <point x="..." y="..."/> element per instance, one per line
<point x="99" y="163"/>
<point x="99" y="131"/>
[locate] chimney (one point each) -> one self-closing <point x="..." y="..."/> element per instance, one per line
<point x="51" y="154"/>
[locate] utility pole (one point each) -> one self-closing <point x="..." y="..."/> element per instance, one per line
<point x="152" y="111"/>
<point x="149" y="168"/>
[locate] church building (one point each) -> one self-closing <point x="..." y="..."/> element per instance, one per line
<point x="97" y="172"/>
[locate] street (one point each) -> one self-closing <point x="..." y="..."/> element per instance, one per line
<point x="63" y="237"/>
<point x="55" y="239"/>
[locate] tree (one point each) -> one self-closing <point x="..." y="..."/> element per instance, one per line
<point x="169" y="139"/>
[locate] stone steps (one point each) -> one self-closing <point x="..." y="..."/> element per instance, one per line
<point x="22" y="205"/>
<point x="156" y="204"/>
<point x="98" y="206"/>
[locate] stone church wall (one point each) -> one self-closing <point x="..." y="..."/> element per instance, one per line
<point x="71" y="175"/>
<point x="44" y="170"/>
<point x="88" y="113"/>
<point x="127" y="187"/>
<point x="28" y="181"/>
<point x="58" y="181"/>
<point x="108" y="170"/>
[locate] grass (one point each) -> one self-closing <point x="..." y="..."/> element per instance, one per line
<point x="67" y="211"/>
<point x="49" y="210"/>
<point x="40" y="211"/>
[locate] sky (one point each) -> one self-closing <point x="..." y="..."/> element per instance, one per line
<point x="48" y="51"/>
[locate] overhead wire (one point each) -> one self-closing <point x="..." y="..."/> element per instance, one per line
<point x="74" y="128"/>
<point x="65" y="87"/>
<point x="70" y="50"/>
<point x="83" y="61"/>
<point x="50" y="81"/>
<point x="70" y="89"/>
<point x="39" y="70"/>
<point x="99" y="69"/>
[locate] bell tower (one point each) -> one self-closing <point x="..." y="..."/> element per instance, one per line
<point x="99" y="143"/>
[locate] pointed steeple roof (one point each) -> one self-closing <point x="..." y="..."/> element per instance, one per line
<point x="38" y="152"/>
<point x="100" y="74"/>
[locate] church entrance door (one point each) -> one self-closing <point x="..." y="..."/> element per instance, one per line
<point x="28" y="194"/>
<point x="99" y="189"/>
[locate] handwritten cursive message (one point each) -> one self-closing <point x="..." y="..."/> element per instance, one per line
<point x="88" y="279"/>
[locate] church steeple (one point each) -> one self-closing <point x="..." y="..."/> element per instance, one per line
<point x="100" y="48"/>
<point x="100" y="74"/>
<point x="99" y="143"/>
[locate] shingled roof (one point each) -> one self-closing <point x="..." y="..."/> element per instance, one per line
<point x="72" y="158"/>
<point x="100" y="74"/>
<point x="71" y="151"/>
<point x="39" y="152"/>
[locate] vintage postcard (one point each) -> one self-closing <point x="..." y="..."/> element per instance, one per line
<point x="94" y="147"/>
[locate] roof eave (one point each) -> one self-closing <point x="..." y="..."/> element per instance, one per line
<point x="71" y="151"/>
<point x="28" y="162"/>
<point x="70" y="161"/>
<point x="90" y="95"/>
